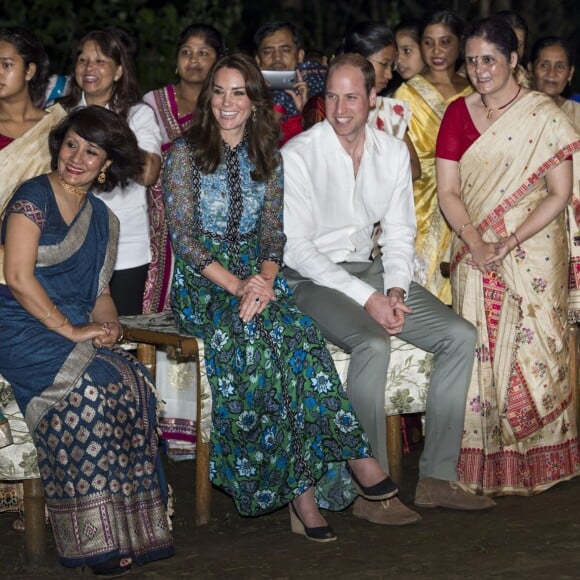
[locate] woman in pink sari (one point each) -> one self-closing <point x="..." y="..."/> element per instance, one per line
<point x="198" y="47"/>
<point x="503" y="187"/>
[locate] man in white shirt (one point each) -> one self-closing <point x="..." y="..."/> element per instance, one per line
<point x="342" y="177"/>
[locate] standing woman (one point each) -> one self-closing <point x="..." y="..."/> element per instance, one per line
<point x="280" y="415"/>
<point x="428" y="95"/>
<point x="504" y="179"/>
<point x="90" y="407"/>
<point x="552" y="67"/>
<point x="198" y="47"/>
<point x="24" y="153"/>
<point x="24" y="126"/>
<point x="104" y="75"/>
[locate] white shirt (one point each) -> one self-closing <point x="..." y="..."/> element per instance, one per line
<point x="129" y="203"/>
<point x="329" y="214"/>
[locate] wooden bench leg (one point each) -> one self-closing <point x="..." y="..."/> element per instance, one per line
<point x="146" y="353"/>
<point x="34" y="520"/>
<point x="394" y="448"/>
<point x="202" y="483"/>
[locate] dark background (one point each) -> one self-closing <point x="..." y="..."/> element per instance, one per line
<point x="156" y="24"/>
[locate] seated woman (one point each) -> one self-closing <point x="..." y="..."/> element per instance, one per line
<point x="90" y="407"/>
<point x="280" y="416"/>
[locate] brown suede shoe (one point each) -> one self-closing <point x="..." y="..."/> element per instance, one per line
<point x="388" y="512"/>
<point x="432" y="493"/>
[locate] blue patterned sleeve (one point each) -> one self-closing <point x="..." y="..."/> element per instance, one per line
<point x="272" y="234"/>
<point x="180" y="184"/>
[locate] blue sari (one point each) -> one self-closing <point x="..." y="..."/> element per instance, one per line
<point x="92" y="412"/>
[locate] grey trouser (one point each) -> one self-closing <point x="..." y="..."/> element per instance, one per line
<point x="432" y="326"/>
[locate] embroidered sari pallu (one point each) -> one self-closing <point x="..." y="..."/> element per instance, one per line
<point x="92" y="412"/>
<point x="520" y="435"/>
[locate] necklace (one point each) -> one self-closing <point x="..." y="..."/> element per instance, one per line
<point x="72" y="188"/>
<point x="490" y="112"/>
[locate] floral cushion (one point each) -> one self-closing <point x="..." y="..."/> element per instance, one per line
<point x="17" y="461"/>
<point x="407" y="380"/>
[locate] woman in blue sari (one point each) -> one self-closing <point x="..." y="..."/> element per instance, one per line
<point x="90" y="407"/>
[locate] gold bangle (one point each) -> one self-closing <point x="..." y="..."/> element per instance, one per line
<point x="120" y="326"/>
<point x="48" y="314"/>
<point x="460" y="230"/>
<point x="64" y="321"/>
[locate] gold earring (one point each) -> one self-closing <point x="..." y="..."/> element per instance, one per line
<point x="102" y="177"/>
<point x="254" y="114"/>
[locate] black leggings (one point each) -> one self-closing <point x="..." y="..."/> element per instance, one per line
<point x="127" y="289"/>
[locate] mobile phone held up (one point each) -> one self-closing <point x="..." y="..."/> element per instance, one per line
<point x="280" y="80"/>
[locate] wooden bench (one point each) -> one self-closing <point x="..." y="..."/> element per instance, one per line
<point x="406" y="392"/>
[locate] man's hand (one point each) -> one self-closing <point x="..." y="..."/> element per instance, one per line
<point x="388" y="311"/>
<point x="299" y="92"/>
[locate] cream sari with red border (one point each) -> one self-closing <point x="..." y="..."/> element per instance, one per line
<point x="520" y="434"/>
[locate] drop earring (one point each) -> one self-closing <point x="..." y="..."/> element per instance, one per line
<point x="102" y="177"/>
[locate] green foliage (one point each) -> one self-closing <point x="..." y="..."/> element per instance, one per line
<point x="156" y="23"/>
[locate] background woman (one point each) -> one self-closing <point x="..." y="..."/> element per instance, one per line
<point x="104" y="75"/>
<point x="24" y="126"/>
<point x="279" y="413"/>
<point x="198" y="47"/>
<point x="552" y="67"/>
<point x="90" y="407"/>
<point x="24" y="129"/>
<point x="428" y="95"/>
<point x="504" y="178"/>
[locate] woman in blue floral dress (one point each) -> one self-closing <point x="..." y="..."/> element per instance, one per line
<point x="280" y="416"/>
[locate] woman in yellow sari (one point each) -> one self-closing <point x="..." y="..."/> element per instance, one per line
<point x="428" y="95"/>
<point x="503" y="187"/>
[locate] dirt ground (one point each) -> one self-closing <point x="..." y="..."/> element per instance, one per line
<point x="527" y="538"/>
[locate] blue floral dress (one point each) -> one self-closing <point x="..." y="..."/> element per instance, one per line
<point x="280" y="415"/>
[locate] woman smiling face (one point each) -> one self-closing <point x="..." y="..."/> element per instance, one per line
<point x="552" y="70"/>
<point x="439" y="47"/>
<point x="96" y="73"/>
<point x="230" y="104"/>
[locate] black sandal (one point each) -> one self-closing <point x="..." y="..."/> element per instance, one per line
<point x="111" y="568"/>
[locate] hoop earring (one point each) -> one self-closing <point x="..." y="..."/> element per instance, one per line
<point x="102" y="177"/>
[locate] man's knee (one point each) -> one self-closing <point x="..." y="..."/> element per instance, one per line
<point x="462" y="334"/>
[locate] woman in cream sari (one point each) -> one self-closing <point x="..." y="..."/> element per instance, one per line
<point x="24" y="127"/>
<point x="428" y="95"/>
<point x="24" y="153"/>
<point x="503" y="188"/>
<point x="552" y="66"/>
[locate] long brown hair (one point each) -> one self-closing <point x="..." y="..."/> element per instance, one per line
<point x="263" y="131"/>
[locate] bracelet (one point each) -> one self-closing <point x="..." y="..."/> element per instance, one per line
<point x="516" y="238"/>
<point x="64" y="321"/>
<point x="460" y="230"/>
<point x="48" y="314"/>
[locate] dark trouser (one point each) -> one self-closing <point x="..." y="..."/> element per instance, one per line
<point x="127" y="289"/>
<point x="432" y="326"/>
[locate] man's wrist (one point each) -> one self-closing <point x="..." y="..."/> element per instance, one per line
<point x="397" y="290"/>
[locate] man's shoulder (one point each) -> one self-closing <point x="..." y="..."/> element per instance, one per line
<point x="317" y="133"/>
